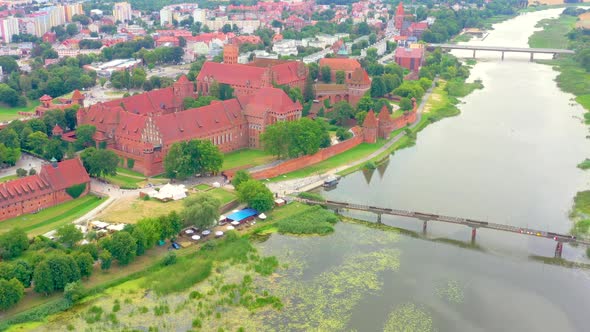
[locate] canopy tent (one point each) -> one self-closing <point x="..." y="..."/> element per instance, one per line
<point x="242" y="215"/>
<point x="262" y="216"/>
<point x="169" y="192"/>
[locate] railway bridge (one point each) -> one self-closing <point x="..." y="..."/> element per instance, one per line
<point x="560" y="239"/>
<point x="554" y="51"/>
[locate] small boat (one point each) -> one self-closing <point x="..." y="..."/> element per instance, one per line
<point x="331" y="181"/>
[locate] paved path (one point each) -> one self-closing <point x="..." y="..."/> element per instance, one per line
<point x="314" y="181"/>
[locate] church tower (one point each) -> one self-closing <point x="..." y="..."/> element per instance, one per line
<point x="399" y="16"/>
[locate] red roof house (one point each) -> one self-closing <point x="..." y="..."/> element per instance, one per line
<point x="410" y="58"/>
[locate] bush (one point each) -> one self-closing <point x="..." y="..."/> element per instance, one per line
<point x="21" y="172"/>
<point x="74" y="291"/>
<point x="313" y="221"/>
<point x="311" y="196"/>
<point x="369" y="165"/>
<point x="76" y="190"/>
<point x="169" y="259"/>
<point x="130" y="163"/>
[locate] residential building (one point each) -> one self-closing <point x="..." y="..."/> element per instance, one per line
<point x="285" y="47"/>
<point x="8" y="28"/>
<point x="410" y="58"/>
<point x="122" y="11"/>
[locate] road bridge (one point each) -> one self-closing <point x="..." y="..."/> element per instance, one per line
<point x="474" y="224"/>
<point x="554" y="51"/>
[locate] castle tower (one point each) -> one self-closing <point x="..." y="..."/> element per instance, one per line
<point x="46" y="101"/>
<point x="385" y="123"/>
<point x="182" y="88"/>
<point x="399" y="16"/>
<point x="370" y="127"/>
<point x="78" y="98"/>
<point x="230" y="54"/>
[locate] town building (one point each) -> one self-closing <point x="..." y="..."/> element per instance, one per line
<point x="33" y="193"/>
<point x="144" y="126"/>
<point x="245" y="79"/>
<point x="122" y="11"/>
<point x="410" y="57"/>
<point x="356" y="81"/>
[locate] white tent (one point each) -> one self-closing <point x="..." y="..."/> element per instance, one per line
<point x="169" y="192"/>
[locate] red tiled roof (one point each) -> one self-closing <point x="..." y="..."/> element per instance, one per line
<point x="183" y="79"/>
<point x="402" y="52"/>
<point x="268" y="100"/>
<point x="143" y="103"/>
<point x="77" y="95"/>
<point x="419" y="26"/>
<point x="384" y="116"/>
<point x="370" y="120"/>
<point x="232" y="73"/>
<point x="23" y="189"/>
<point x="46" y="98"/>
<point x="360" y="76"/>
<point x="344" y="64"/>
<point x="57" y="129"/>
<point x="67" y="173"/>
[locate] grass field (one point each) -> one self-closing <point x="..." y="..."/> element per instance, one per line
<point x="358" y="152"/>
<point x="11" y="113"/>
<point x="553" y="33"/>
<point x="125" y="182"/>
<point x="203" y="187"/>
<point x="129" y="172"/>
<point x="245" y="158"/>
<point x="8" y="178"/>
<point x="129" y="210"/>
<point x="53" y="217"/>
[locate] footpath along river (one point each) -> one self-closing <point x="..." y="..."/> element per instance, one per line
<point x="510" y="157"/>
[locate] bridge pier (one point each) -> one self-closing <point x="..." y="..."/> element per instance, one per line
<point x="532" y="56"/>
<point x="502" y="55"/>
<point x="554" y="56"/>
<point x="558" y="249"/>
<point x="424" y="227"/>
<point x="473" y="234"/>
<point x="379" y="218"/>
<point x="474" y="54"/>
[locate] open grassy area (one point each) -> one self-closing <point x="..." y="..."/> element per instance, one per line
<point x="203" y="187"/>
<point x="245" y="159"/>
<point x="553" y="33"/>
<point x="8" y="178"/>
<point x="53" y="217"/>
<point x="125" y="182"/>
<point x="131" y="209"/>
<point x="129" y="172"/>
<point x="358" y="152"/>
<point x="316" y="220"/>
<point x="11" y="113"/>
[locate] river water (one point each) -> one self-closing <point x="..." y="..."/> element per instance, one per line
<point x="510" y="157"/>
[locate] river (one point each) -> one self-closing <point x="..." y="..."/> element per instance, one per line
<point x="510" y="157"/>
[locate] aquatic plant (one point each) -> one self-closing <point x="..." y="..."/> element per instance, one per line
<point x="408" y="318"/>
<point x="451" y="291"/>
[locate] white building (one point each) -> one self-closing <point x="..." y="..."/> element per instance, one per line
<point x="200" y="15"/>
<point x="285" y="47"/>
<point x="166" y="15"/>
<point x="122" y="11"/>
<point x="8" y="28"/>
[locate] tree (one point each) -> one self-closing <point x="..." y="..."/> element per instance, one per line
<point x="140" y="239"/>
<point x="294" y="138"/>
<point x="240" y="177"/>
<point x="188" y="158"/>
<point x="378" y="87"/>
<point x="201" y="211"/>
<point x="313" y="70"/>
<point x="19" y="269"/>
<point x="69" y="235"/>
<point x="308" y="93"/>
<point x="8" y="64"/>
<point x="99" y="162"/>
<point x="55" y="272"/>
<point x="391" y="82"/>
<point x="152" y="229"/>
<point x="106" y="259"/>
<point x="326" y="74"/>
<point x="123" y="247"/>
<point x="11" y="292"/>
<point x="21" y="172"/>
<point x="74" y="291"/>
<point x="36" y="141"/>
<point x="342" y="112"/>
<point x="340" y="77"/>
<point x="85" y="134"/>
<point x="53" y="149"/>
<point x="72" y="29"/>
<point x="13" y="243"/>
<point x="405" y="104"/>
<point x="256" y="195"/>
<point x="85" y="263"/>
<point x="171" y="225"/>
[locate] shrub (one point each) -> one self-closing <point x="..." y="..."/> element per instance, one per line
<point x="266" y="266"/>
<point x="311" y="196"/>
<point x="130" y="163"/>
<point x="74" y="291"/>
<point x="20" y="172"/>
<point x="76" y="190"/>
<point x="169" y="259"/>
<point x="369" y="165"/>
<point x="197" y="323"/>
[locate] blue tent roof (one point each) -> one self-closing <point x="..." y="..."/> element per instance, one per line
<point x="241" y="215"/>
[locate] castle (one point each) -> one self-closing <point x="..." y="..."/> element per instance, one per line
<point x="356" y="81"/>
<point x="143" y="127"/>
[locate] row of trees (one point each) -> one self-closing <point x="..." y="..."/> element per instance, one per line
<point x="295" y="138"/>
<point x="252" y="192"/>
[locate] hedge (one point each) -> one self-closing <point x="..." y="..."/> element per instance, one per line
<point x="76" y="190"/>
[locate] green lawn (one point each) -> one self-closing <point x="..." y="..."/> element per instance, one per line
<point x="8" y="178"/>
<point x="245" y="158"/>
<point x="125" y="182"/>
<point x="11" y="113"/>
<point x="553" y="33"/>
<point x="53" y="217"/>
<point x="203" y="187"/>
<point x="126" y="171"/>
<point x="358" y="152"/>
<point x="224" y="196"/>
